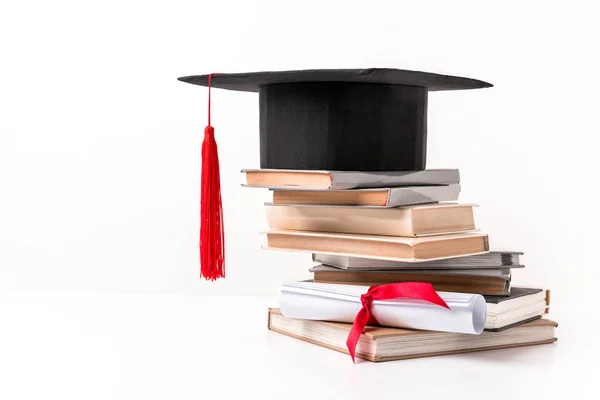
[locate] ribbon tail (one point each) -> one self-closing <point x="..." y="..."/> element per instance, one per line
<point x="412" y="290"/>
<point x="357" y="328"/>
<point x="429" y="294"/>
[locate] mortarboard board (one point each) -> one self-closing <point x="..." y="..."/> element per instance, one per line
<point x="328" y="119"/>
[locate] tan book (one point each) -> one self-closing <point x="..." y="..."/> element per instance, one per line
<point x="380" y="247"/>
<point x="410" y="221"/>
<point x="342" y="180"/>
<point x="443" y="281"/>
<point x="386" y="344"/>
<point x="381" y="197"/>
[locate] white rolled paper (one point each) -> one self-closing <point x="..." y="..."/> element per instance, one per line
<point x="341" y="303"/>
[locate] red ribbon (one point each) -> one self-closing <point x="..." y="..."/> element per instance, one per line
<point x="411" y="290"/>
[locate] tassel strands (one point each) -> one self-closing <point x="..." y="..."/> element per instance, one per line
<point x="212" y="240"/>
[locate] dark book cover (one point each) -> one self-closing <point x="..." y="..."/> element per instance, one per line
<point x="515" y="293"/>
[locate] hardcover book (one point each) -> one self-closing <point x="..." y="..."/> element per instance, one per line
<point x="340" y="180"/>
<point x="442" y="280"/>
<point x="491" y="260"/>
<point x="382" y="197"/>
<point x="411" y="250"/>
<point x="385" y="344"/>
<point x="522" y="305"/>
<point x="410" y="221"/>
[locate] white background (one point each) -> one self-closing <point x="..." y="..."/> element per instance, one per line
<point x="100" y="144"/>
<point x="100" y="174"/>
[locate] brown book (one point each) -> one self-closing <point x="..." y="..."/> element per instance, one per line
<point x="380" y="247"/>
<point x="441" y="281"/>
<point x="342" y="180"/>
<point x="386" y="344"/>
<point x="409" y="221"/>
<point x="372" y="197"/>
<point x="381" y="197"/>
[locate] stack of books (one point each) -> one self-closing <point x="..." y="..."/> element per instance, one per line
<point x="374" y="228"/>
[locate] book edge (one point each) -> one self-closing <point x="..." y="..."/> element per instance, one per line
<point x="410" y="240"/>
<point x="375" y="358"/>
<point x="407" y="260"/>
<point x="463" y="351"/>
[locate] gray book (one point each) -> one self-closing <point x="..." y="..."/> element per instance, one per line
<point x="373" y="198"/>
<point x="342" y="180"/>
<point x="493" y="259"/>
<point x="501" y="273"/>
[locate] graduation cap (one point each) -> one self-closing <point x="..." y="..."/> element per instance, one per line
<point x="325" y="119"/>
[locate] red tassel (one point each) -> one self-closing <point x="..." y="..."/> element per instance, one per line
<point x="212" y="240"/>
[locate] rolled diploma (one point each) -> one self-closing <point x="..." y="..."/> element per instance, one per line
<point x="341" y="303"/>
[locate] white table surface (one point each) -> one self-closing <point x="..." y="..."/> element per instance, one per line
<point x="115" y="346"/>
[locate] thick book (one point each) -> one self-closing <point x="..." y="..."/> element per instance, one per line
<point x="386" y="344"/>
<point x="522" y="305"/>
<point x="410" y="221"/>
<point x="382" y="247"/>
<point x="381" y="198"/>
<point x="491" y="260"/>
<point x="442" y="280"/>
<point x="341" y="180"/>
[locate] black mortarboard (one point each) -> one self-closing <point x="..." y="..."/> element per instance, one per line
<point x="335" y="119"/>
<point x="341" y="119"/>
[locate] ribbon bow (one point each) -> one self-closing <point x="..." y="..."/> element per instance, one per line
<point x="411" y="290"/>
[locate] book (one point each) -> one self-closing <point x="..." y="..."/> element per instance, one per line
<point x="522" y="305"/>
<point x="385" y="344"/>
<point x="384" y="197"/>
<point x="382" y="247"/>
<point x="504" y="273"/>
<point x="492" y="259"/>
<point x="442" y="280"/>
<point x="409" y="221"/>
<point x="341" y="180"/>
